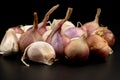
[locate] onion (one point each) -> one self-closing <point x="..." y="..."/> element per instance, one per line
<point x="105" y="33"/>
<point x="99" y="46"/>
<point x="77" y="50"/>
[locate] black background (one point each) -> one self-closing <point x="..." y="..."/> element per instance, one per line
<point x="20" y="12"/>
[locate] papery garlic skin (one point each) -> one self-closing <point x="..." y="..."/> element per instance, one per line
<point x="65" y="26"/>
<point x="46" y="34"/>
<point x="9" y="43"/>
<point x="26" y="27"/>
<point x="40" y="52"/>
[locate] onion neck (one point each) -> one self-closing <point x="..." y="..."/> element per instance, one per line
<point x="97" y="15"/>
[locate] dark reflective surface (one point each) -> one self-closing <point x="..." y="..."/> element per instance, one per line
<point x="11" y="68"/>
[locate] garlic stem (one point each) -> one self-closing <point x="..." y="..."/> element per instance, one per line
<point x="68" y="14"/>
<point x="50" y="12"/>
<point x="35" y="23"/>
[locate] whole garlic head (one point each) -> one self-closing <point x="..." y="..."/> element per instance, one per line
<point x="41" y="52"/>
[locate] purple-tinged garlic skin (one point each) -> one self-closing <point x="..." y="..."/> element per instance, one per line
<point x="41" y="52"/>
<point x="30" y="35"/>
<point x="73" y="32"/>
<point x="26" y="27"/>
<point x="55" y="38"/>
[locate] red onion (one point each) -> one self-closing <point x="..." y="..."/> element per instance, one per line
<point x="77" y="50"/>
<point x="99" y="46"/>
<point x="107" y="34"/>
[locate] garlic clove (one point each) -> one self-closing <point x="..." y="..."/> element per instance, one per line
<point x="9" y="43"/>
<point x="40" y="52"/>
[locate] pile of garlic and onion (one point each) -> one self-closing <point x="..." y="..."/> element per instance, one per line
<point x="45" y="44"/>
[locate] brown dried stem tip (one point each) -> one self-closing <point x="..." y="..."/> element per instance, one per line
<point x="35" y="22"/>
<point x="50" y="12"/>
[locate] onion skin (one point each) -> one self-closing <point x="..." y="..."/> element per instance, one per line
<point x="99" y="46"/>
<point x="105" y="33"/>
<point x="77" y="50"/>
<point x="109" y="37"/>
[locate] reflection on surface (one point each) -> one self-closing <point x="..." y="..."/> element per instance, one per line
<point x="13" y="69"/>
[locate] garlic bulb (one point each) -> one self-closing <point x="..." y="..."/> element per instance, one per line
<point x="40" y="52"/>
<point x="55" y="38"/>
<point x="30" y="35"/>
<point x="9" y="43"/>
